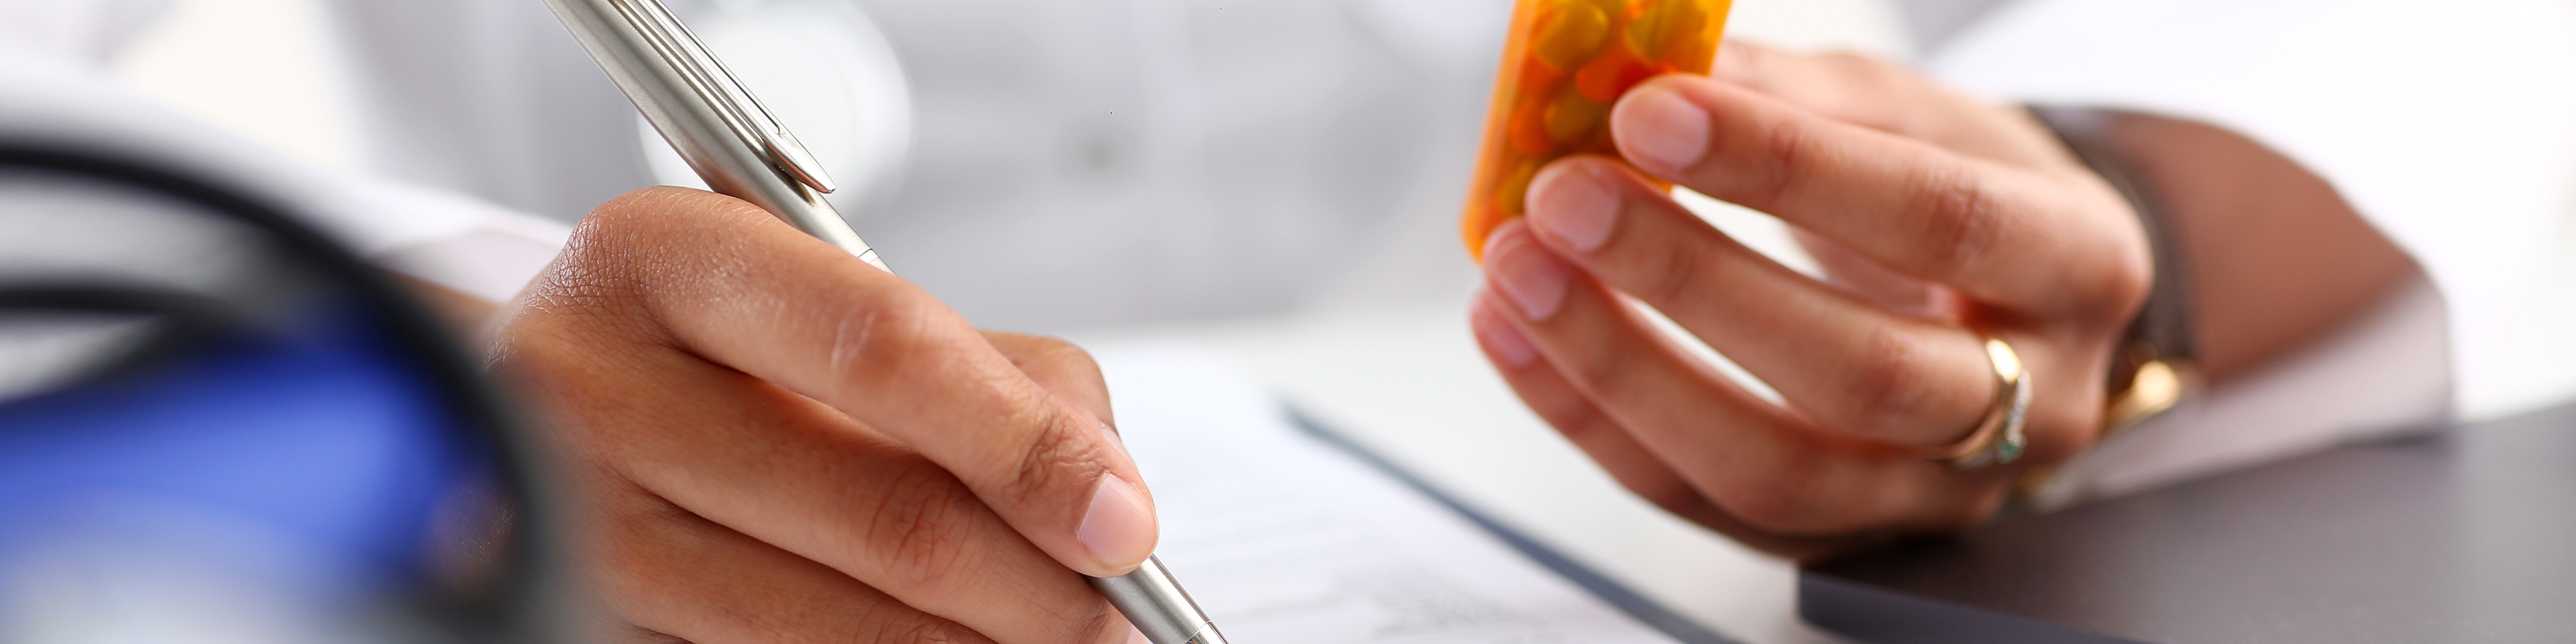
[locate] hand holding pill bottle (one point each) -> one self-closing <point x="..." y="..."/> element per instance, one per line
<point x="1565" y="63"/>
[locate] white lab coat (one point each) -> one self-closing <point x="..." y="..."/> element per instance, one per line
<point x="1073" y="164"/>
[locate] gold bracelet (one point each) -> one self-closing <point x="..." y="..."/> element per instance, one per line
<point x="2154" y="388"/>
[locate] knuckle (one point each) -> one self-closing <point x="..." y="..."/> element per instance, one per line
<point x="654" y="222"/>
<point x="595" y="267"/>
<point x="1886" y="381"/>
<point x="1607" y="377"/>
<point x="1676" y="272"/>
<point x="1782" y="167"/>
<point x="653" y="208"/>
<point x="1059" y="465"/>
<point x="921" y="527"/>
<point x="581" y="284"/>
<point x="614" y="259"/>
<point x="2123" y="281"/>
<point x="879" y="339"/>
<point x="639" y="216"/>
<point x="2131" y="277"/>
<point x="1957" y="219"/>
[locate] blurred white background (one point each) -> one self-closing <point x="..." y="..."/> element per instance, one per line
<point x="261" y="68"/>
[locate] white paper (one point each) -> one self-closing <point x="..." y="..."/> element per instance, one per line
<point x="1285" y="540"/>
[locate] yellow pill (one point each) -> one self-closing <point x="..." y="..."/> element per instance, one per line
<point x="1571" y="116"/>
<point x="1570" y="33"/>
<point x="1662" y="25"/>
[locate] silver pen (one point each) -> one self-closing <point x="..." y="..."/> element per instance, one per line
<point x="733" y="142"/>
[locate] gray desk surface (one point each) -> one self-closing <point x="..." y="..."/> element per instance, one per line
<point x="2465" y="535"/>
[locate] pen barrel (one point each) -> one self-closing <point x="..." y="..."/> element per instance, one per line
<point x="1155" y="603"/>
<point x="677" y="103"/>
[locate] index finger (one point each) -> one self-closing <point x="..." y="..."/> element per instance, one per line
<point x="1060" y="367"/>
<point x="726" y="281"/>
<point x="1912" y="207"/>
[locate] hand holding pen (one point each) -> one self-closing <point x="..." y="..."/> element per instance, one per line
<point x="767" y="440"/>
<point x="771" y="440"/>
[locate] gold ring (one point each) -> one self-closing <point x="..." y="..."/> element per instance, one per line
<point x="1998" y="438"/>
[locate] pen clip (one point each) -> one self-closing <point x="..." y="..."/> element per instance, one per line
<point x="716" y="85"/>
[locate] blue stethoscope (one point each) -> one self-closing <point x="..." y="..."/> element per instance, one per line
<point x="310" y="458"/>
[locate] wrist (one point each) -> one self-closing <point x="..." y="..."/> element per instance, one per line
<point x="2154" y="364"/>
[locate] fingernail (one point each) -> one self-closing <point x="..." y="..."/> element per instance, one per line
<point x="1112" y="433"/>
<point x="1499" y="336"/>
<point x="1494" y="238"/>
<point x="1656" y="125"/>
<point x="1118" y="529"/>
<point x="1573" y="204"/>
<point x="1531" y="277"/>
<point x="1136" y="636"/>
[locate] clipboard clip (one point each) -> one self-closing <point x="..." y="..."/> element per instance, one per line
<point x="715" y="85"/>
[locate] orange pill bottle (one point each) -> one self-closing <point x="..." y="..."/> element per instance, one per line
<point x="1565" y="63"/>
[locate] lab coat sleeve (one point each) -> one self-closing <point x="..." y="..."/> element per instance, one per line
<point x="445" y="238"/>
<point x="2450" y="126"/>
<point x="456" y="241"/>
